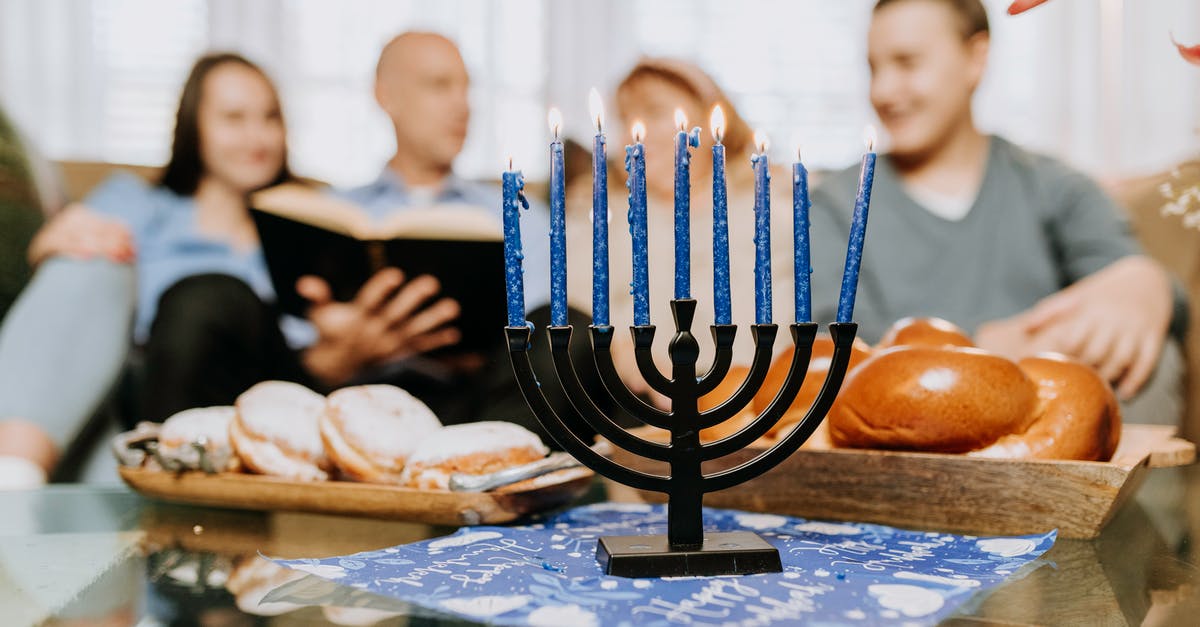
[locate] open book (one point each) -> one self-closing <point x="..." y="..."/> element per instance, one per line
<point x="308" y="232"/>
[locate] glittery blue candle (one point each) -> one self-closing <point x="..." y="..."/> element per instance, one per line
<point x="721" y="296"/>
<point x="514" y="279"/>
<point x="800" y="232"/>
<point x="858" y="232"/>
<point x="683" y="205"/>
<point x="599" y="232"/>
<point x="762" y="237"/>
<point x="558" y="234"/>
<point x="635" y="165"/>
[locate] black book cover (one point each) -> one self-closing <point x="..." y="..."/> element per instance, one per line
<point x="471" y="271"/>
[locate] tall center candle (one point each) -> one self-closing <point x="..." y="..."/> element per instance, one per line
<point x="683" y="204"/>
<point x="635" y="165"/>
<point x="858" y="232"/>
<point x="599" y="215"/>
<point x="800" y="233"/>
<point x="721" y="298"/>
<point x="558" y="226"/>
<point x="762" y="232"/>
<point x="514" y="280"/>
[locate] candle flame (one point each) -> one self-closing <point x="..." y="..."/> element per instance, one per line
<point x="554" y="119"/>
<point x="639" y="131"/>
<point x="680" y="119"/>
<point x="717" y="122"/>
<point x="760" y="140"/>
<point x="596" y="107"/>
<point x="869" y="137"/>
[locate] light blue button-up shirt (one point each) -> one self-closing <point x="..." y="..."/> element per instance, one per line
<point x="169" y="245"/>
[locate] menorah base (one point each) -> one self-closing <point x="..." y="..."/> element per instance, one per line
<point x="727" y="553"/>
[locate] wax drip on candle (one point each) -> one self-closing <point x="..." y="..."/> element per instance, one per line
<point x="762" y="230"/>
<point x="722" y="303"/>
<point x="600" y="309"/>
<point x="635" y="165"/>
<point x="558" y="225"/>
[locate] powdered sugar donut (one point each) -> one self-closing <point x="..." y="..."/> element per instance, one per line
<point x="178" y="434"/>
<point x="275" y="431"/>
<point x="370" y="430"/>
<point x="476" y="449"/>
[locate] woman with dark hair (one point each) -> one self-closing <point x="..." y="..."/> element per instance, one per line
<point x="184" y="242"/>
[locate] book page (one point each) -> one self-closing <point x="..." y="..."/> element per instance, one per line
<point x="316" y="207"/>
<point x="444" y="221"/>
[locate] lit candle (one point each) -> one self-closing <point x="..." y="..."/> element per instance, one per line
<point x="635" y="165"/>
<point x="762" y="231"/>
<point x="858" y="231"/>
<point x="683" y="204"/>
<point x="800" y="231"/>
<point x="599" y="215"/>
<point x="558" y="226"/>
<point x="720" y="221"/>
<point x="514" y="279"/>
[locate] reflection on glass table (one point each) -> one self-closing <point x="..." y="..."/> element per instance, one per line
<point x="94" y="555"/>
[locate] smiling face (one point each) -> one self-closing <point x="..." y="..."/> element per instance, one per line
<point x="242" y="139"/>
<point x="923" y="73"/>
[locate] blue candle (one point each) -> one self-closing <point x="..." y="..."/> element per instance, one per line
<point x="558" y="227"/>
<point x="721" y="297"/>
<point x="683" y="204"/>
<point x="599" y="215"/>
<point x="800" y="231"/>
<point x="635" y="165"/>
<point x="858" y="232"/>
<point x="514" y="279"/>
<point x="762" y="232"/>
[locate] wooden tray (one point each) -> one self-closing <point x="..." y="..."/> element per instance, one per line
<point x="941" y="492"/>
<point x="435" y="507"/>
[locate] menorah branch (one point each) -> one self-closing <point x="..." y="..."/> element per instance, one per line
<point x="565" y="434"/>
<point x="764" y="345"/>
<point x="581" y="401"/>
<point x="802" y="339"/>
<point x="643" y="341"/>
<point x="602" y="352"/>
<point x="843" y="338"/>
<point x="723" y="336"/>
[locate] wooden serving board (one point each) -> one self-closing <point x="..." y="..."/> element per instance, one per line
<point x="435" y="507"/>
<point x="931" y="491"/>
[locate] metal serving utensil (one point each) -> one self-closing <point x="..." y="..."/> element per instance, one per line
<point x="460" y="482"/>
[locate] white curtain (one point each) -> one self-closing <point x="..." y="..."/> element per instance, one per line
<point x="1095" y="82"/>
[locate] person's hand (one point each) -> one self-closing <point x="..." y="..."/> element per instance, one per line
<point x="1114" y="320"/>
<point x="82" y="233"/>
<point x="388" y="320"/>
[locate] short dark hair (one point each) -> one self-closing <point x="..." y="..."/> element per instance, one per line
<point x="971" y="14"/>
<point x="186" y="167"/>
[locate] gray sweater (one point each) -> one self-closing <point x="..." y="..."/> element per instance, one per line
<point x="1036" y="226"/>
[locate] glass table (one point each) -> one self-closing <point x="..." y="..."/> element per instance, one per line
<point x="81" y="554"/>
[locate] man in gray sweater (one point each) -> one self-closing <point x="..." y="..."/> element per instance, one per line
<point x="1017" y="248"/>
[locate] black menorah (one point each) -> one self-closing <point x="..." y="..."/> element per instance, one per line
<point x="686" y="549"/>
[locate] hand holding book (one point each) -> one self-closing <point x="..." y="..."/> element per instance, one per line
<point x="330" y="261"/>
<point x="390" y="319"/>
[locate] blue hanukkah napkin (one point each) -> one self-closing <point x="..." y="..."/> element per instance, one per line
<point x="546" y="573"/>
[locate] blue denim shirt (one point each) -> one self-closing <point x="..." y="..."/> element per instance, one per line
<point x="169" y="245"/>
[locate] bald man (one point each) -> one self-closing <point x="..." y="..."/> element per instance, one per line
<point x="422" y="84"/>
